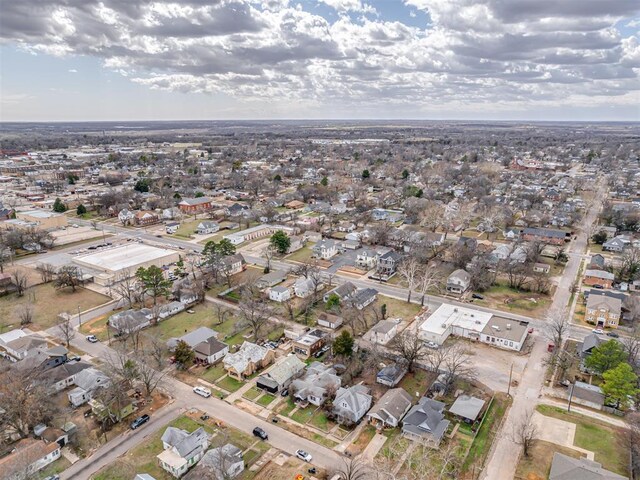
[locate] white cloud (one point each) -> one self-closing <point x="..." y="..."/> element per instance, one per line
<point x="478" y="53"/>
<point x="73" y="70"/>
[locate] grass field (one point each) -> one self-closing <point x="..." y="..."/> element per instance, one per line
<point x="487" y="432"/>
<point x="416" y="382"/>
<point x="397" y="308"/>
<point x="603" y="439"/>
<point x="252" y="393"/>
<point x="48" y="303"/>
<point x="229" y="384"/>
<point x="301" y="255"/>
<point x="265" y="400"/>
<point x="303" y="415"/>
<point x="503" y="297"/>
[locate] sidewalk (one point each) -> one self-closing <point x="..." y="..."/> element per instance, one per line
<point x="603" y="417"/>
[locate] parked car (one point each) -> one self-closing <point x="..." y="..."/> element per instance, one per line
<point x="598" y="331"/>
<point x="73" y="358"/>
<point x="599" y="287"/>
<point x="260" y="433"/>
<point x="432" y="345"/>
<point x="52" y="477"/>
<point x="613" y="335"/>
<point x="477" y="296"/>
<point x="138" y="422"/>
<point x="285" y="392"/>
<point x="92" y="339"/>
<point x="202" y="391"/>
<point x="302" y="455"/>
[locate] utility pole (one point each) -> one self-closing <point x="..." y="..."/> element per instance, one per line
<point x="570" y="398"/>
<point x="509" y="386"/>
<point x="79" y="320"/>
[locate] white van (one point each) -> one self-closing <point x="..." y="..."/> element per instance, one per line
<point x="202" y="391"/>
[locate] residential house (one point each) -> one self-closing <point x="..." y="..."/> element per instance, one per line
<point x="170" y="309"/>
<point x="317" y="383"/>
<point x="391" y="375"/>
<point x="280" y="375"/>
<point x="617" y="244"/>
<point x="126" y="216"/>
<point x="27" y="457"/>
<point x="279" y="293"/>
<point x="564" y="467"/>
<point x="603" y="311"/>
<point x="597" y="262"/>
<point x="351" y="404"/>
<point x="182" y="449"/>
<point x="192" y="206"/>
<point x="171" y="227"/>
<point x="387" y="264"/>
<point x="367" y="258"/>
<point x="501" y="252"/>
<point x="10" y="336"/>
<point x="207" y="227"/>
<point x="588" y="395"/>
<point x="304" y="287"/>
<point x="546" y="235"/>
<point x="294" y="205"/>
<point x="193" y="338"/>
<point x="297" y="243"/>
<point x="43" y="359"/>
<point x="233" y="264"/>
<point x="144" y="218"/>
<point x="541" y="268"/>
<point x="389" y="410"/>
<point x="467" y="242"/>
<point x="425" y="422"/>
<point x="329" y="320"/>
<point x="309" y="343"/>
<point x="220" y="463"/>
<point x="131" y="320"/>
<point x="610" y="231"/>
<point x="64" y="376"/>
<point x="247" y="360"/>
<point x="210" y="351"/>
<point x="458" y="282"/>
<point x="467" y="408"/>
<point x="116" y="410"/>
<point x="271" y="279"/>
<point x="382" y="332"/>
<point x="364" y="297"/>
<point x="598" y="277"/>
<point x="325" y="249"/>
<point x="590" y="342"/>
<point x="87" y="382"/>
<point x="21" y="346"/>
<point x="344" y="291"/>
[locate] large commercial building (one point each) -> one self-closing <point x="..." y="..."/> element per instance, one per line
<point x="117" y="261"/>
<point x="472" y="324"/>
<point x="43" y="219"/>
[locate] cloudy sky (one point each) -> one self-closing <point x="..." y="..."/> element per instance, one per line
<point x="255" y="59"/>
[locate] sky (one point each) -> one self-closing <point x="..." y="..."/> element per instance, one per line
<point x="82" y="60"/>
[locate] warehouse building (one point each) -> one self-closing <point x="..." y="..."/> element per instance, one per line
<point x="117" y="261"/>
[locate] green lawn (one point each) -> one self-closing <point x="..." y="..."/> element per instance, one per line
<point x="601" y="438"/>
<point x="397" y="308"/>
<point x="320" y="420"/>
<point x="229" y="384"/>
<point x="416" y="382"/>
<point x="252" y="393"/>
<point x="213" y="374"/>
<point x="302" y="255"/>
<point x="48" y="303"/>
<point x="285" y="408"/>
<point x="303" y="415"/>
<point x="486" y="434"/>
<point x="266" y="399"/>
<point x="187" y="229"/>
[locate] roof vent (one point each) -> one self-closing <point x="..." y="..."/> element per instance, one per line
<point x="508" y="326"/>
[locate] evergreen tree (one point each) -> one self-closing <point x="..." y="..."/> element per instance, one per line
<point x="58" y="206"/>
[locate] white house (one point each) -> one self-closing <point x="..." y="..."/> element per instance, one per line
<point x="28" y="457"/>
<point x="182" y="449"/>
<point x="126" y="216"/>
<point x="382" y="332"/>
<point x="207" y="227"/>
<point x="325" y="249"/>
<point x="367" y="258"/>
<point x="171" y="228"/>
<point x="458" y="282"/>
<point x="305" y="286"/>
<point x="351" y="404"/>
<point x="279" y="293"/>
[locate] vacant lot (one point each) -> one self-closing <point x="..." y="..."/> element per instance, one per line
<point x="302" y="255"/>
<point x="605" y="440"/>
<point x="538" y="465"/>
<point x="397" y="308"/>
<point x="502" y="297"/>
<point x="48" y="303"/>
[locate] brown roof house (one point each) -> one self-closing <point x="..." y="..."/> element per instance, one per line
<point x="28" y="457"/>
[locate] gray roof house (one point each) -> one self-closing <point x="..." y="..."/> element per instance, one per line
<point x="588" y="395"/>
<point x="210" y="351"/>
<point x="182" y="449"/>
<point x="199" y="335"/>
<point x="344" y="291"/>
<point x="564" y="467"/>
<point x="389" y="410"/>
<point x="220" y="463"/>
<point x="458" y="282"/>
<point x="271" y="279"/>
<point x="87" y="382"/>
<point x="391" y="375"/>
<point x="425" y="422"/>
<point x="316" y="383"/>
<point x="364" y="297"/>
<point x="351" y="404"/>
<point x="131" y="320"/>
<point x="466" y="407"/>
<point x="206" y="227"/>
<point x="281" y="374"/>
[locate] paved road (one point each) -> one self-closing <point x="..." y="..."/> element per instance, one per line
<point x="185" y="399"/>
<point x="505" y="452"/>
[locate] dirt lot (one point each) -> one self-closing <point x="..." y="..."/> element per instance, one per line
<point x="73" y="235"/>
<point x="287" y="471"/>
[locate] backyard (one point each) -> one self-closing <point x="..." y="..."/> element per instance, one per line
<point x="538" y="465"/>
<point x="605" y="440"/>
<point x="48" y="302"/>
<point x="503" y="297"/>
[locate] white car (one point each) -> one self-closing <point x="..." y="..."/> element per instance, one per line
<point x="302" y="455"/>
<point x="92" y="339"/>
<point x="202" y="391"/>
<point x="598" y="331"/>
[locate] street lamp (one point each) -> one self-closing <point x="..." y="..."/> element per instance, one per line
<point x="79" y="320"/>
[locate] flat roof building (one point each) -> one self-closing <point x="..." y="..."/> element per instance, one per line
<point x="45" y="220"/>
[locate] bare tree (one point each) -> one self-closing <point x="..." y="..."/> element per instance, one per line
<point x="25" y="313"/>
<point x="19" y="279"/>
<point x="409" y="270"/>
<point x="126" y="287"/>
<point x="429" y="278"/>
<point x="255" y="311"/>
<point x="410" y="348"/>
<point x="557" y="328"/>
<point x="155" y="350"/>
<point x="149" y="376"/>
<point x="525" y="432"/>
<point x="47" y="272"/>
<point x="354" y="468"/>
<point x="68" y="276"/>
<point x="221" y="312"/>
<point x="65" y="328"/>
<point x="457" y="363"/>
